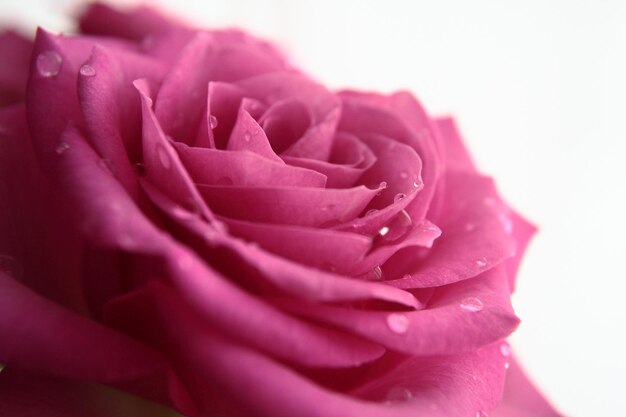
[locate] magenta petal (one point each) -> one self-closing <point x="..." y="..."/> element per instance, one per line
<point x="162" y="164"/>
<point x="521" y="398"/>
<point x="454" y="153"/>
<point x="288" y="205"/>
<point x="473" y="238"/>
<point x="317" y="141"/>
<point x="23" y="394"/>
<point x="182" y="98"/>
<point x="202" y="297"/>
<point x="112" y="110"/>
<point x="460" y="318"/>
<point x="320" y="248"/>
<point x="247" y="135"/>
<point x="289" y="277"/>
<point x="215" y="166"/>
<point x="31" y="326"/>
<point x="133" y="24"/>
<point x="451" y="386"/>
<point x="17" y="50"/>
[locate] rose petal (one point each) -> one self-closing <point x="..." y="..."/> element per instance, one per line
<point x="112" y="110"/>
<point x="163" y="166"/>
<point x="455" y="156"/>
<point x="521" y="398"/>
<point x="24" y="394"/>
<point x="287" y="205"/>
<point x="215" y="166"/>
<point x="473" y="239"/>
<point x="459" y="318"/>
<point x="349" y="159"/>
<point x="202" y="297"/>
<point x="288" y="277"/>
<point x="15" y="49"/>
<point x="243" y="382"/>
<point x="392" y="116"/>
<point x="248" y="135"/>
<point x="284" y="122"/>
<point x="133" y="24"/>
<point x="320" y="248"/>
<point x="273" y="87"/>
<point x="51" y="339"/>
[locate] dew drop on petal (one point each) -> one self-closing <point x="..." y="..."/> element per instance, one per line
<point x="406" y="276"/>
<point x="505" y="349"/>
<point x="87" y="70"/>
<point x="399" y="197"/>
<point x="417" y="184"/>
<point x="164" y="158"/>
<point x="471" y="304"/>
<point x="398" y="227"/>
<point x="382" y="185"/>
<point x="213" y="121"/>
<point x="399" y="394"/>
<point x="383" y="231"/>
<point x="398" y="323"/>
<point x="10" y="266"/>
<point x="481" y="262"/>
<point x="61" y="148"/>
<point x="49" y="63"/>
<point x="247" y="136"/>
<point x="371" y="212"/>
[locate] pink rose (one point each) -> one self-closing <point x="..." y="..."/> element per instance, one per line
<point x="188" y="218"/>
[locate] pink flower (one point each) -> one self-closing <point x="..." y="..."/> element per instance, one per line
<point x="186" y="217"/>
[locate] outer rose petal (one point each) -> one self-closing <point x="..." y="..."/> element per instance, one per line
<point x="14" y="49"/>
<point x="521" y="398"/>
<point x="29" y="395"/>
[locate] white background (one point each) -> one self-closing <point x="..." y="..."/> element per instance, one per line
<point x="539" y="91"/>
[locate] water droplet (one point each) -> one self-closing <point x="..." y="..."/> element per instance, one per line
<point x="164" y="158"/>
<point x="404" y="175"/>
<point x="399" y="394"/>
<point x="212" y="121"/>
<point x="505" y="349"/>
<point x="382" y="185"/>
<point x="406" y="276"/>
<point x="10" y="266"/>
<point x="107" y="165"/>
<point x="469" y="227"/>
<point x="417" y="184"/>
<point x="383" y="231"/>
<point x="247" y="136"/>
<point x="399" y="197"/>
<point x="481" y="262"/>
<point x="140" y="169"/>
<point x="398" y="323"/>
<point x="87" y="70"/>
<point x="49" y="64"/>
<point x="371" y="212"/>
<point x="507" y="223"/>
<point x="61" y="148"/>
<point x="471" y="304"/>
<point x="375" y="274"/>
<point x="398" y="227"/>
<point x="481" y="413"/>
